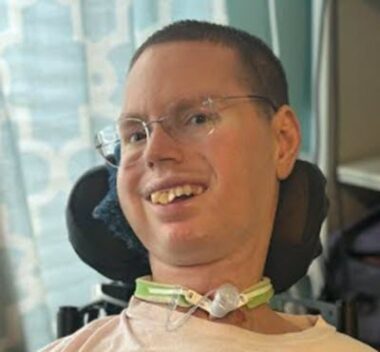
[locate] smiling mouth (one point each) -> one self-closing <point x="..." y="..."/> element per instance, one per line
<point x="177" y="193"/>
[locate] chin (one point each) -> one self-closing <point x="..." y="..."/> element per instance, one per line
<point x="182" y="246"/>
<point x="179" y="235"/>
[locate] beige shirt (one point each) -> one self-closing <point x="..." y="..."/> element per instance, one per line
<point x="142" y="327"/>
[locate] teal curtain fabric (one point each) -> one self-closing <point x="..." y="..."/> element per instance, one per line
<point x="62" y="66"/>
<point x="286" y="26"/>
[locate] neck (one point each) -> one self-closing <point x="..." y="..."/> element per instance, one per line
<point x="242" y="269"/>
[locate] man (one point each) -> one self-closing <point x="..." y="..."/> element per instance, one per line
<point x="206" y="134"/>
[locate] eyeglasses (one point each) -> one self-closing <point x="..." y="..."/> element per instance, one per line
<point x="187" y="122"/>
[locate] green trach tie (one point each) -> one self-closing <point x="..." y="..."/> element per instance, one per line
<point x="226" y="298"/>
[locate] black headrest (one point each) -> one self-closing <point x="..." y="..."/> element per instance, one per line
<point x="295" y="241"/>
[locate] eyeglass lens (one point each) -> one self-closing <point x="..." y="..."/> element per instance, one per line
<point x="128" y="141"/>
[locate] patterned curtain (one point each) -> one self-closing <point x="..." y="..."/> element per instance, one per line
<point x="62" y="66"/>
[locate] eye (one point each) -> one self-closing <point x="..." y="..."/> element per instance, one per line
<point x="136" y="137"/>
<point x="132" y="132"/>
<point x="198" y="118"/>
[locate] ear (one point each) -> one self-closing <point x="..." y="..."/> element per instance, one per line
<point x="286" y="129"/>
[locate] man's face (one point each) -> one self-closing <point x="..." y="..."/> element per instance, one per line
<point x="233" y="168"/>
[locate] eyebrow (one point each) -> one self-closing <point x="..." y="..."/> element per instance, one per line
<point x="180" y="104"/>
<point x="130" y="115"/>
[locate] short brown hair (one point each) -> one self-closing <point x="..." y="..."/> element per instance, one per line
<point x="263" y="70"/>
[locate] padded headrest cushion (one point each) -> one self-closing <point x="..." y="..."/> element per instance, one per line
<point x="302" y="207"/>
<point x="91" y="238"/>
<point x="295" y="241"/>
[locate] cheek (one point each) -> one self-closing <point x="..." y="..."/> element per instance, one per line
<point x="243" y="155"/>
<point x="129" y="199"/>
<point x="245" y="172"/>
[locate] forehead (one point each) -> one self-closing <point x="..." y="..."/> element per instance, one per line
<point x="170" y="71"/>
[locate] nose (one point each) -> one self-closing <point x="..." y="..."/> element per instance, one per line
<point x="161" y="148"/>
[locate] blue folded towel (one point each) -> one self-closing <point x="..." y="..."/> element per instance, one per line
<point x="109" y="211"/>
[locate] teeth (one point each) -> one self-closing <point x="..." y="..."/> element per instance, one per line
<point x="187" y="190"/>
<point x="171" y="195"/>
<point x="164" y="198"/>
<point x="168" y="195"/>
<point x="198" y="190"/>
<point x="154" y="197"/>
<point x="178" y="191"/>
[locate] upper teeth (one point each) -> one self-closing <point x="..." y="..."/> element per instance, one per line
<point x="168" y="195"/>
